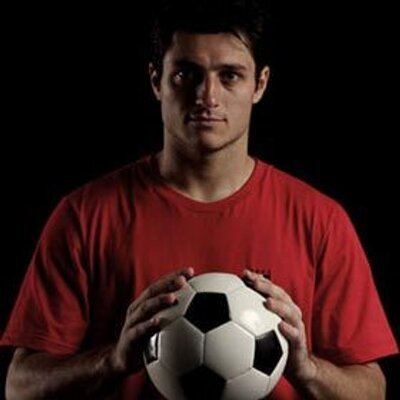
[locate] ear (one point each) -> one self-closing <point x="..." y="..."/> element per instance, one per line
<point x="262" y="84"/>
<point x="154" y="81"/>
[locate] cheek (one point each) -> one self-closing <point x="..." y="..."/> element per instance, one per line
<point x="169" y="115"/>
<point x="245" y="96"/>
<point x="239" y="106"/>
<point x="171" y="107"/>
<point x="177" y="99"/>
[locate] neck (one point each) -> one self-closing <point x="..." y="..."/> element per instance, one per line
<point x="208" y="177"/>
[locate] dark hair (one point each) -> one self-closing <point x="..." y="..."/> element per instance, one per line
<point x="246" y="19"/>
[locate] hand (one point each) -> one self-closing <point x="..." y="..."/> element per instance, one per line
<point x="140" y="323"/>
<point x="300" y="366"/>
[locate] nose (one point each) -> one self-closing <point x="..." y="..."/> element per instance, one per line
<point x="207" y="92"/>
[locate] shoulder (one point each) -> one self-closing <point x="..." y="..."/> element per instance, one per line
<point x="110" y="188"/>
<point x="109" y="197"/>
<point x="295" y="188"/>
<point x="300" y="198"/>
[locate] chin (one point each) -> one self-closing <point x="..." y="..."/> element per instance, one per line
<point x="212" y="143"/>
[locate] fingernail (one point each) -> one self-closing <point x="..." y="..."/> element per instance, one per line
<point x="268" y="302"/>
<point x="189" y="271"/>
<point x="248" y="273"/>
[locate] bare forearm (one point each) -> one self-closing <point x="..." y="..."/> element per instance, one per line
<point x="89" y="375"/>
<point x="344" y="383"/>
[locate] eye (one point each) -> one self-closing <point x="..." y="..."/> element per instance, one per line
<point x="230" y="76"/>
<point x="182" y="75"/>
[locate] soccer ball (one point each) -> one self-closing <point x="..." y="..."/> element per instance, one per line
<point x="218" y="342"/>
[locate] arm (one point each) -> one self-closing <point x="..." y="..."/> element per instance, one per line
<point x="38" y="375"/>
<point x="98" y="373"/>
<point x="361" y="381"/>
<point x="314" y="377"/>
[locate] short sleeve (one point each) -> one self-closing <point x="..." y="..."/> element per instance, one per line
<point x="51" y="311"/>
<point x="349" y="323"/>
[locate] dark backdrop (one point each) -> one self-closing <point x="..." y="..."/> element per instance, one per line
<point x="78" y="105"/>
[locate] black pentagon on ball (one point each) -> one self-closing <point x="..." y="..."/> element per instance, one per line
<point x="208" y="310"/>
<point x="268" y="352"/>
<point x="202" y="383"/>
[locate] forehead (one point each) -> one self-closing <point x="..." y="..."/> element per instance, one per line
<point x="208" y="49"/>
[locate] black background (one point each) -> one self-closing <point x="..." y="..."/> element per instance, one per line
<point x="78" y="105"/>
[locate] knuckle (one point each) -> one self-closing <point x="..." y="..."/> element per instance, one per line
<point x="131" y="335"/>
<point x="275" y="291"/>
<point x="163" y="299"/>
<point x="257" y="284"/>
<point x="145" y="306"/>
<point x="144" y="295"/>
<point x="142" y="327"/>
<point x="292" y="312"/>
<point x="181" y="280"/>
<point x="139" y="329"/>
<point x="131" y="308"/>
<point x="287" y="309"/>
<point x="281" y="293"/>
<point x="302" y="326"/>
<point x="178" y="281"/>
<point x="150" y="291"/>
<point x="169" y="297"/>
<point x="172" y="285"/>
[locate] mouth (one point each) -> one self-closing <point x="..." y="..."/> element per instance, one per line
<point x="205" y="123"/>
<point x="205" y="120"/>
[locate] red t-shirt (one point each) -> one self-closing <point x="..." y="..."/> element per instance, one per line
<point x="110" y="239"/>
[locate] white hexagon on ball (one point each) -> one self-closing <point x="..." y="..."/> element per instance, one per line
<point x="229" y="350"/>
<point x="181" y="346"/>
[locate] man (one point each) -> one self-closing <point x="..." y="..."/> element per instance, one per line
<point x="115" y="251"/>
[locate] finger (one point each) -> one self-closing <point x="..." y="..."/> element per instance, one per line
<point x="264" y="285"/>
<point x="151" y="306"/>
<point x="167" y="283"/>
<point x="144" y="329"/>
<point x="292" y="334"/>
<point x="286" y="310"/>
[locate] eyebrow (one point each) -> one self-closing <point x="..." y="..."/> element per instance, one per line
<point x="183" y="62"/>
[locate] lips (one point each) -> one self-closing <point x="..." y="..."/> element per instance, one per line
<point x="205" y="119"/>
